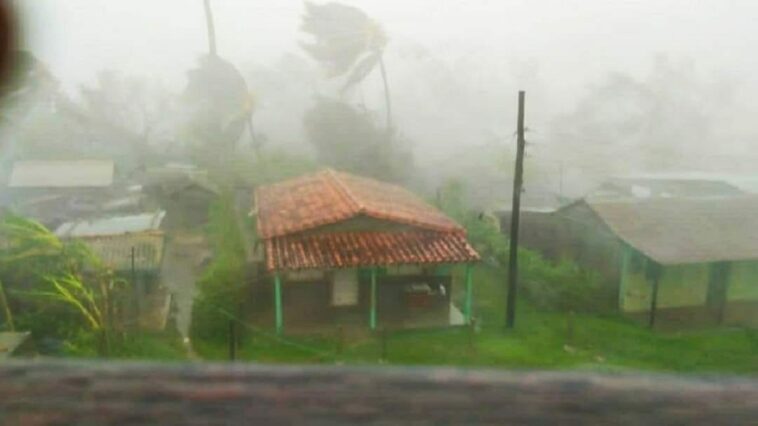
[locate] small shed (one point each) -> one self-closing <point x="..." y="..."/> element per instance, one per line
<point x="53" y="191"/>
<point x="133" y="247"/>
<point x="344" y="248"/>
<point x="184" y="191"/>
<point x="45" y="174"/>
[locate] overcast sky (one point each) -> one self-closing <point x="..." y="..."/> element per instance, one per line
<point x="572" y="41"/>
<point x="473" y="54"/>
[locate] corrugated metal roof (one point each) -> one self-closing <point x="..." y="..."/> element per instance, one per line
<point x="356" y="249"/>
<point x="112" y="226"/>
<point x="61" y="174"/>
<point x="686" y="230"/>
<point x="115" y="251"/>
<point x="641" y="188"/>
<point x="329" y="197"/>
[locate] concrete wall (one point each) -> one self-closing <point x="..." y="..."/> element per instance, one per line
<point x="307" y="299"/>
<point x="683" y="293"/>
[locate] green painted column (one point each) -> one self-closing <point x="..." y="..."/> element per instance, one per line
<point x="278" y="304"/>
<point x="372" y="312"/>
<point x="626" y="257"/>
<point x="469" y="294"/>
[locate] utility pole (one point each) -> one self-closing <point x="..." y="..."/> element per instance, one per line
<point x="510" y="302"/>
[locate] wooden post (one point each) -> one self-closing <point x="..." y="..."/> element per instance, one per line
<point x="718" y="289"/>
<point x="726" y="279"/>
<point x="340" y="340"/>
<point x="570" y="328"/>
<point x="510" y="303"/>
<point x="471" y="329"/>
<point x="136" y="289"/>
<point x="232" y="341"/>
<point x="469" y="294"/>
<point x="626" y="254"/>
<point x="372" y="312"/>
<point x="278" y="304"/>
<point x="656" y="276"/>
<point x="383" y="355"/>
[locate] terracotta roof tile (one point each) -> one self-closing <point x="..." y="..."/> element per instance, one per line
<point x="362" y="249"/>
<point x="328" y="197"/>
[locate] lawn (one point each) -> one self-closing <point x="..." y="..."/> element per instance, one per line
<point x="540" y="340"/>
<point x="156" y="346"/>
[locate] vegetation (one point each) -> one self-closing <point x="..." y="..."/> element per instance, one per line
<point x="62" y="293"/>
<point x="219" y="104"/>
<point x="348" y="139"/>
<point x="562" y="286"/>
<point x="222" y="287"/>
<point x="163" y="346"/>
<point x="546" y="340"/>
<point x="347" y="41"/>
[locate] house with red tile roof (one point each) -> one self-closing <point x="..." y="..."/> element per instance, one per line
<point x="347" y="249"/>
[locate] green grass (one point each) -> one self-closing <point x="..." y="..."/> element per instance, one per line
<point x="540" y="340"/>
<point x="163" y="346"/>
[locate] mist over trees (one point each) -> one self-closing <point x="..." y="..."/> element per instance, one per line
<point x="430" y="116"/>
<point x="348" y="138"/>
<point x="674" y="119"/>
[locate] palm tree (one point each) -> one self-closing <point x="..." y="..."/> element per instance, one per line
<point x="23" y="240"/>
<point x="220" y="94"/>
<point x="347" y="41"/>
<point x="29" y="246"/>
<point x="211" y="27"/>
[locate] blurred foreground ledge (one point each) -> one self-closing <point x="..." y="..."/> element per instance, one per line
<point x="64" y="392"/>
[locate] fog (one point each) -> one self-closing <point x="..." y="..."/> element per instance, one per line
<point x="612" y="87"/>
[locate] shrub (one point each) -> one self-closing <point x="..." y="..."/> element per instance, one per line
<point x="562" y="286"/>
<point x="221" y="289"/>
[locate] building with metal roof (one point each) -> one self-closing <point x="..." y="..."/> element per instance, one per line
<point x="116" y="225"/>
<point x="343" y="233"/>
<point x="62" y="174"/>
<point x="681" y="260"/>
<point x="133" y="247"/>
<point x="664" y="186"/>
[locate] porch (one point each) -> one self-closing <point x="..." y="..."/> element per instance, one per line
<point x="359" y="301"/>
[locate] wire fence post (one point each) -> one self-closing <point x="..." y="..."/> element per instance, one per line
<point x="372" y="315"/>
<point x="471" y="329"/>
<point x="232" y="341"/>
<point x="570" y="328"/>
<point x="340" y="340"/>
<point x="383" y="344"/>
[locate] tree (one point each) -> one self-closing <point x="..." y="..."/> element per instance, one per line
<point x="672" y="118"/>
<point x="347" y="138"/>
<point x="25" y="243"/>
<point x="43" y="268"/>
<point x="347" y="41"/>
<point x="220" y="104"/>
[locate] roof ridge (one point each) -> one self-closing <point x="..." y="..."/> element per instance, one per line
<point x="345" y="190"/>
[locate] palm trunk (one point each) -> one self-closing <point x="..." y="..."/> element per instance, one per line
<point x="387" y="102"/>
<point x="6" y="308"/>
<point x="211" y="28"/>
